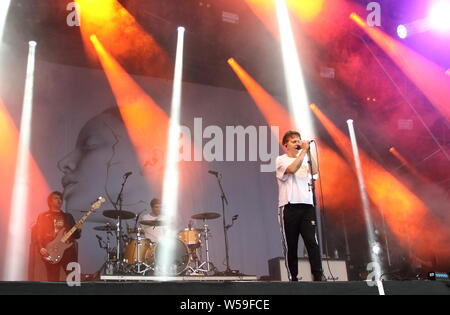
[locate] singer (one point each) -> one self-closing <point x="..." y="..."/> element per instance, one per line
<point x="296" y="212"/>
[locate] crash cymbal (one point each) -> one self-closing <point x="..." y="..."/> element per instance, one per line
<point x="206" y="216"/>
<point x="122" y="214"/>
<point x="152" y="222"/>
<point x="104" y="228"/>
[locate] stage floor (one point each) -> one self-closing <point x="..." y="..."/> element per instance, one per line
<point x="225" y="287"/>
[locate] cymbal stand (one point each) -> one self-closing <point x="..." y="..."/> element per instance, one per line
<point x="138" y="264"/>
<point x="207" y="262"/>
<point x="108" y="266"/>
<point x="108" y="246"/>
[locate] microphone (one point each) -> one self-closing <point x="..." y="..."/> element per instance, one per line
<point x="213" y="172"/>
<point x="298" y="147"/>
<point x="127" y="174"/>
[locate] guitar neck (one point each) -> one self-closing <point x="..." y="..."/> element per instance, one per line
<point x="78" y="225"/>
<point x="75" y="227"/>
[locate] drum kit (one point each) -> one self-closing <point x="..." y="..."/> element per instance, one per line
<point x="136" y="254"/>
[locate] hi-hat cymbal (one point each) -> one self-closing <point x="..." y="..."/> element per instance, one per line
<point x="206" y="216"/>
<point x="104" y="228"/>
<point x="152" y="222"/>
<point x="116" y="214"/>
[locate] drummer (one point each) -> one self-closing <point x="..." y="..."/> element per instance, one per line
<point x="153" y="233"/>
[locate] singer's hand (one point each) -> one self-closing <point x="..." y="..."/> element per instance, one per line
<point x="304" y="144"/>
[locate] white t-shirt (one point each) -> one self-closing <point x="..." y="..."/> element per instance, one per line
<point x="154" y="233"/>
<point x="293" y="188"/>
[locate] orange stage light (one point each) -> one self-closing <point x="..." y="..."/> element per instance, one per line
<point x="273" y="112"/>
<point x="324" y="20"/>
<point x="122" y="36"/>
<point x="306" y="10"/>
<point x="8" y="154"/>
<point x="408" y="165"/>
<point x="146" y="123"/>
<point x="9" y="138"/>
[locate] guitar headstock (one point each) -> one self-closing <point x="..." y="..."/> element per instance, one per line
<point x="97" y="203"/>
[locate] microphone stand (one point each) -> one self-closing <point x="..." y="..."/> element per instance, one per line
<point x="119" y="218"/>
<point x="228" y="271"/>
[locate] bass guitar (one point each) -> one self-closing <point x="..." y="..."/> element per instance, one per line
<point x="58" y="246"/>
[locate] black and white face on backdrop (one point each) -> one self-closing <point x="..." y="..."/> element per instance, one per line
<point x="102" y="155"/>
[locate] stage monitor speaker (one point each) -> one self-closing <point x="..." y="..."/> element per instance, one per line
<point x="334" y="270"/>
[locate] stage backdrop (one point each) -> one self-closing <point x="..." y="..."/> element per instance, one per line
<point x="82" y="148"/>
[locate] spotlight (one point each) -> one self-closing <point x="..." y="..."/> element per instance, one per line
<point x="402" y="31"/>
<point x="438" y="16"/>
<point x="447" y="72"/>
<point x="376" y="249"/>
<point x="171" y="173"/>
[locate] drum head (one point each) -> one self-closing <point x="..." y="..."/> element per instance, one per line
<point x="176" y="253"/>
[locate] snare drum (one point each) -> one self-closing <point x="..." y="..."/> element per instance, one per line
<point x="191" y="237"/>
<point x="131" y="251"/>
<point x="178" y="262"/>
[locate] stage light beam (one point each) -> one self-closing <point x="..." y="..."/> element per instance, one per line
<point x="171" y="173"/>
<point x="4" y="8"/>
<point x="373" y="244"/>
<point x="16" y="246"/>
<point x="296" y="90"/>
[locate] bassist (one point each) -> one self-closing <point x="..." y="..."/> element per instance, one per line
<point x="48" y="225"/>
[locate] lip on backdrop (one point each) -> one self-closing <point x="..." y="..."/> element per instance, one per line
<point x="68" y="183"/>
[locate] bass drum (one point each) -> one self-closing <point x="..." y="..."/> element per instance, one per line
<point x="178" y="262"/>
